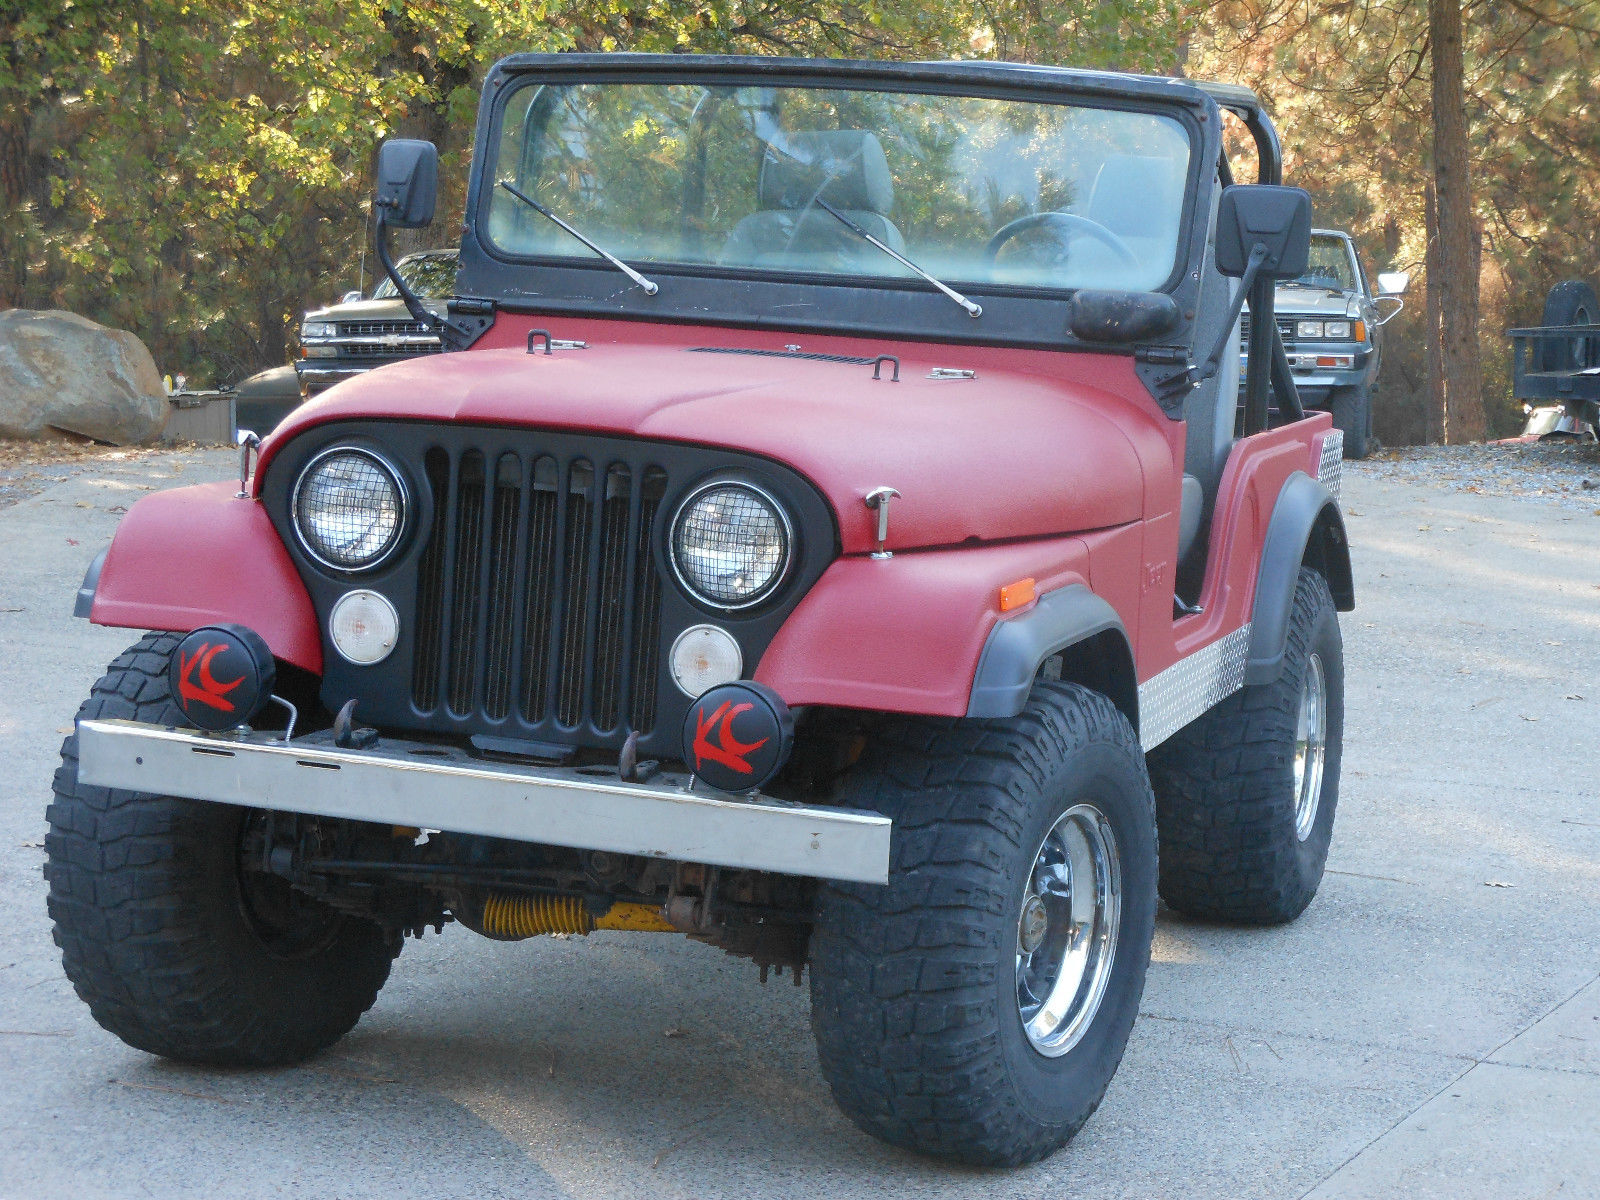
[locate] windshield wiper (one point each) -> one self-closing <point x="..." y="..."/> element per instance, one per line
<point x="650" y="289"/>
<point x="973" y="309"/>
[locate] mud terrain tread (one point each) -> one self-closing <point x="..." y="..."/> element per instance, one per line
<point x="1222" y="800"/>
<point x="128" y="921"/>
<point x="902" y="994"/>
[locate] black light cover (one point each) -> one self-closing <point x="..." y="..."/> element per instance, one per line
<point x="737" y="736"/>
<point x="221" y="676"/>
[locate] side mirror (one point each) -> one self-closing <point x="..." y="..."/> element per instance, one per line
<point x="351" y="296"/>
<point x="1393" y="283"/>
<point x="408" y="182"/>
<point x="1266" y="215"/>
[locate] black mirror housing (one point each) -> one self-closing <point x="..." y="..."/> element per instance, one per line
<point x="1122" y="317"/>
<point x="1278" y="218"/>
<point x="408" y="182"/>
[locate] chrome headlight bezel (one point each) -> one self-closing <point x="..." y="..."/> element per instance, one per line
<point x="402" y="494"/>
<point x="785" y="525"/>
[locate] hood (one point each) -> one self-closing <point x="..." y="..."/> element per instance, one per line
<point x="390" y="309"/>
<point x="1293" y="299"/>
<point x="1004" y="455"/>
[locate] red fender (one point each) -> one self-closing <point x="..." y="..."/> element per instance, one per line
<point x="198" y="556"/>
<point x="904" y="634"/>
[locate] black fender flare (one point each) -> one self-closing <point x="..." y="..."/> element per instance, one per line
<point x="1067" y="617"/>
<point x="1307" y="528"/>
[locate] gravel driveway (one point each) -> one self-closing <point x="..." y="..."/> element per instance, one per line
<point x="1430" y="1027"/>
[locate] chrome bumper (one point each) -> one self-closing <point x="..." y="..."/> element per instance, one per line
<point x="430" y="787"/>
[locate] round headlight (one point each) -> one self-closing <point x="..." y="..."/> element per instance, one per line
<point x="730" y="544"/>
<point x="349" y="509"/>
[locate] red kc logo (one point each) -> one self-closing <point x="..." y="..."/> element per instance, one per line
<point x="195" y="681"/>
<point x="727" y="751"/>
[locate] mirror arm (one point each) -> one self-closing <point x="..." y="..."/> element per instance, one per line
<point x="464" y="322"/>
<point x="413" y="303"/>
<point x="1212" y="363"/>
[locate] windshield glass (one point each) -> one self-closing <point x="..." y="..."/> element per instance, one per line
<point x="425" y="274"/>
<point x="974" y="190"/>
<point x="1329" y="266"/>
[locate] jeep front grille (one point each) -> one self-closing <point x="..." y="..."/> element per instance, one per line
<point x="538" y="597"/>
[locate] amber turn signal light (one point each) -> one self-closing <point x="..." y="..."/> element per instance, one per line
<point x="1018" y="594"/>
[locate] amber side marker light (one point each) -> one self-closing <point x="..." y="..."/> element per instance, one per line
<point x="1018" y="594"/>
<point x="1361" y="331"/>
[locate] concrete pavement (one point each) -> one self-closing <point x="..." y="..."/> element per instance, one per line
<point x="1430" y="1027"/>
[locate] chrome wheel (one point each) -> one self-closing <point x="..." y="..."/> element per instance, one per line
<point x="1310" y="747"/>
<point x="1067" y="929"/>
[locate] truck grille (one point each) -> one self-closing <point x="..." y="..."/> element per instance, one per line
<point x="383" y="339"/>
<point x="1285" y="327"/>
<point x="538" y="598"/>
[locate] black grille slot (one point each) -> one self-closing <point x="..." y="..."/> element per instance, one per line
<point x="538" y="598"/>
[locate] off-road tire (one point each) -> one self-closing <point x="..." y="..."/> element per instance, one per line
<point x="1352" y="413"/>
<point x="151" y="921"/>
<point x="913" y="984"/>
<point x="1224" y="784"/>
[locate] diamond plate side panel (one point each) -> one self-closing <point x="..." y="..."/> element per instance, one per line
<point x="1191" y="686"/>
<point x="1330" y="471"/>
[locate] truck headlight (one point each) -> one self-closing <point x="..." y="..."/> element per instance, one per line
<point x="1308" y="329"/>
<point x="1336" y="329"/>
<point x="349" y="508"/>
<point x="319" y="329"/>
<point x="731" y="544"/>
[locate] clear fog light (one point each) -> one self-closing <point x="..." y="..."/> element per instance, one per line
<point x="703" y="657"/>
<point x="364" y="627"/>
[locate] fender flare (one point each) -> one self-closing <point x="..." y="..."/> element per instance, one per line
<point x="1306" y="528"/>
<point x="1018" y="647"/>
<point x="202" y="555"/>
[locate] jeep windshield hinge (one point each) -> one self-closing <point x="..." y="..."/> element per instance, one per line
<point x="1166" y="371"/>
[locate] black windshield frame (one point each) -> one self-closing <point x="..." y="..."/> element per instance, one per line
<point x="743" y="297"/>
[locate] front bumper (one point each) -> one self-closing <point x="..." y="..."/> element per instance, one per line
<point x="433" y="787"/>
<point x="1316" y="382"/>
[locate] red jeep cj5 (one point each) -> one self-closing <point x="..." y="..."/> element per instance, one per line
<point x="830" y="535"/>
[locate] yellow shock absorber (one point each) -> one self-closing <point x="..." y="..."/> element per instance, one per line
<point x="510" y="915"/>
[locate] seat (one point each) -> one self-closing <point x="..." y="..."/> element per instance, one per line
<point x="847" y="169"/>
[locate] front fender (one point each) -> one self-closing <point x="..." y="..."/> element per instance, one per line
<point x="201" y="555"/>
<point x="905" y="634"/>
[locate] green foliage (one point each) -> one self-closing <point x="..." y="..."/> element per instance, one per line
<point x="198" y="170"/>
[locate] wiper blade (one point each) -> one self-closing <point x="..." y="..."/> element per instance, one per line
<point x="973" y="309"/>
<point x="650" y="289"/>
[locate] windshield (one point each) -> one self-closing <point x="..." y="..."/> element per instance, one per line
<point x="742" y="179"/>
<point x="1329" y="266"/>
<point x="425" y="274"/>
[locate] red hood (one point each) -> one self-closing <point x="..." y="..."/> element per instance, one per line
<point x="1012" y="453"/>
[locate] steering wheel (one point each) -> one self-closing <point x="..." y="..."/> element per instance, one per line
<point x="1064" y="226"/>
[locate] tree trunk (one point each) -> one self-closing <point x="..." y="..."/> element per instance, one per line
<point x="1458" y="248"/>
<point x="1433" y="323"/>
<point x="14" y="249"/>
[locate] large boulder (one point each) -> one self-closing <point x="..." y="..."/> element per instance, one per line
<point x="61" y="370"/>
